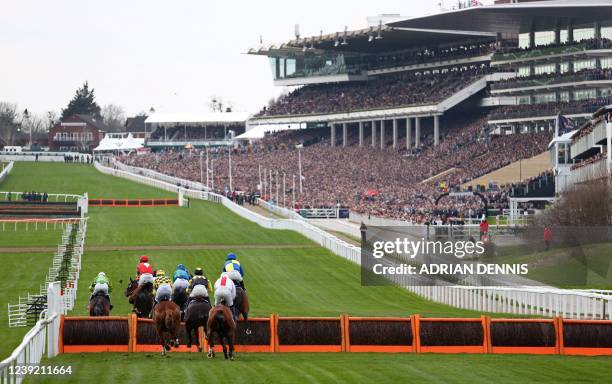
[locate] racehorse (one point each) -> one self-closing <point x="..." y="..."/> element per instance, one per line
<point x="141" y="298"/>
<point x="167" y="319"/>
<point x="196" y="315"/>
<point x="221" y="322"/>
<point x="241" y="306"/>
<point x="99" y="305"/>
<point x="180" y="297"/>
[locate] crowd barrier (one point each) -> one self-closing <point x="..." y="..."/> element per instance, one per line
<point x="132" y="202"/>
<point x="413" y="334"/>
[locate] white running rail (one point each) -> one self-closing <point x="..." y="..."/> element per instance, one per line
<point x="43" y="337"/>
<point x="6" y="169"/>
<point x="517" y="300"/>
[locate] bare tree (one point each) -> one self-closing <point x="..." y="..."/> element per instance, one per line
<point x="217" y="104"/>
<point x="9" y="125"/>
<point x="114" y="116"/>
<point x="35" y="122"/>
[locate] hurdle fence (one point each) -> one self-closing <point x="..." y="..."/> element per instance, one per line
<point x="541" y="301"/>
<point x="410" y="334"/>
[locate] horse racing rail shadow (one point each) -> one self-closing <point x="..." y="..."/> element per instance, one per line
<point x="344" y="333"/>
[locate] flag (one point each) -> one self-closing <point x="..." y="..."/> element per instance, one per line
<point x="564" y="125"/>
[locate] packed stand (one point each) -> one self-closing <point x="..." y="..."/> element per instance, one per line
<point x="549" y="109"/>
<point x="395" y="90"/>
<point x="388" y="183"/>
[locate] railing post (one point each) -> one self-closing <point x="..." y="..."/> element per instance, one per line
<point x="54" y="307"/>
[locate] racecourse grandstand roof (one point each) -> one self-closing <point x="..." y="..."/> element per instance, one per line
<point x="514" y="18"/>
<point x="478" y="22"/>
<point x="372" y="40"/>
<point x="202" y="118"/>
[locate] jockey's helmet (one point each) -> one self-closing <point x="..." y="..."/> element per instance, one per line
<point x="144" y="259"/>
<point x="160" y="272"/>
<point x="181" y="266"/>
<point x="231" y="256"/>
<point x="198" y="271"/>
<point x="101" y="274"/>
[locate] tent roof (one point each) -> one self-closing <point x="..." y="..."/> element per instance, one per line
<point x="202" y="118"/>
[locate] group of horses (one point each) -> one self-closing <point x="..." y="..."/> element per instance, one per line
<point x="168" y="316"/>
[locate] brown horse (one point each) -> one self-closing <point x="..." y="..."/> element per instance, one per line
<point x="241" y="306"/>
<point x="141" y="298"/>
<point x="167" y="319"/>
<point x="99" y="305"/>
<point x="196" y="316"/>
<point x="221" y="322"/>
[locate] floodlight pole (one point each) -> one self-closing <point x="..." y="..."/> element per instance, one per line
<point x="229" y="155"/>
<point x="293" y="192"/>
<point x="270" y="186"/>
<point x="284" y="189"/>
<point x="201" y="170"/>
<point x="207" y="171"/>
<point x="277" y="199"/>
<point x="300" y="167"/>
<point x="259" y="172"/>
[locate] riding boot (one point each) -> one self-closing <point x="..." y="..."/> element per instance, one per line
<point x="234" y="314"/>
<point x="109" y="302"/>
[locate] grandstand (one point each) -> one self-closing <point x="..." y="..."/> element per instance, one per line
<point x="394" y="115"/>
<point x="191" y="130"/>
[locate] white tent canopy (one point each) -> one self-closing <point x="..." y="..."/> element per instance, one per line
<point x="198" y="118"/>
<point x="111" y="144"/>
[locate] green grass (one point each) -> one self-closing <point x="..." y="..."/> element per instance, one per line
<point x="20" y="274"/>
<point x="203" y="223"/>
<point x="332" y="368"/>
<point x="587" y="266"/>
<point x="29" y="235"/>
<point x="295" y="282"/>
<point x="75" y="179"/>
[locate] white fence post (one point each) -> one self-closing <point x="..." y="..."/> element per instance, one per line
<point x="54" y="306"/>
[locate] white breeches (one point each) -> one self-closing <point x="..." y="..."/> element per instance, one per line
<point x="224" y="294"/>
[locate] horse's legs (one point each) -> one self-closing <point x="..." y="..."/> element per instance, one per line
<point x="224" y="348"/>
<point x="189" y="329"/>
<point x="245" y="316"/>
<point x="230" y="340"/>
<point x="211" y="345"/>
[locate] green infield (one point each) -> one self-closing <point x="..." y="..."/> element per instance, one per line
<point x="293" y="282"/>
<point x="330" y="368"/>
<point x="20" y="273"/>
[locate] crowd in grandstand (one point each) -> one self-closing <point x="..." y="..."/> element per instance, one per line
<point x="387" y="183"/>
<point x="548" y="78"/>
<point x="193" y="132"/>
<point x="550" y="109"/>
<point x="385" y="91"/>
<point x="590" y="160"/>
<point x="591" y="43"/>
<point x="430" y="54"/>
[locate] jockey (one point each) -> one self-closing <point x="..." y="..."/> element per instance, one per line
<point x="234" y="269"/>
<point x="225" y="290"/>
<point x="160" y="279"/>
<point x="144" y="271"/>
<point x="101" y="283"/>
<point x="199" y="279"/>
<point x="163" y="287"/>
<point x="181" y="277"/>
<point x="144" y="266"/>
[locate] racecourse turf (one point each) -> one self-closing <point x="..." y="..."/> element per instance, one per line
<point x="300" y="280"/>
<point x="334" y="368"/>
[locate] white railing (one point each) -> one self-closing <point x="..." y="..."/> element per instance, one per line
<point x="6" y="169"/>
<point x="51" y="197"/>
<point x="43" y="337"/>
<point x="518" y="300"/>
<point x="315" y="234"/>
<point x="590" y="172"/>
<point x="17" y="312"/>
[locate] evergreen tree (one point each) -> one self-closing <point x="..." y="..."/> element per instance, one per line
<point x="83" y="103"/>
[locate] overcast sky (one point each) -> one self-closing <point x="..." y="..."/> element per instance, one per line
<point x="172" y="55"/>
